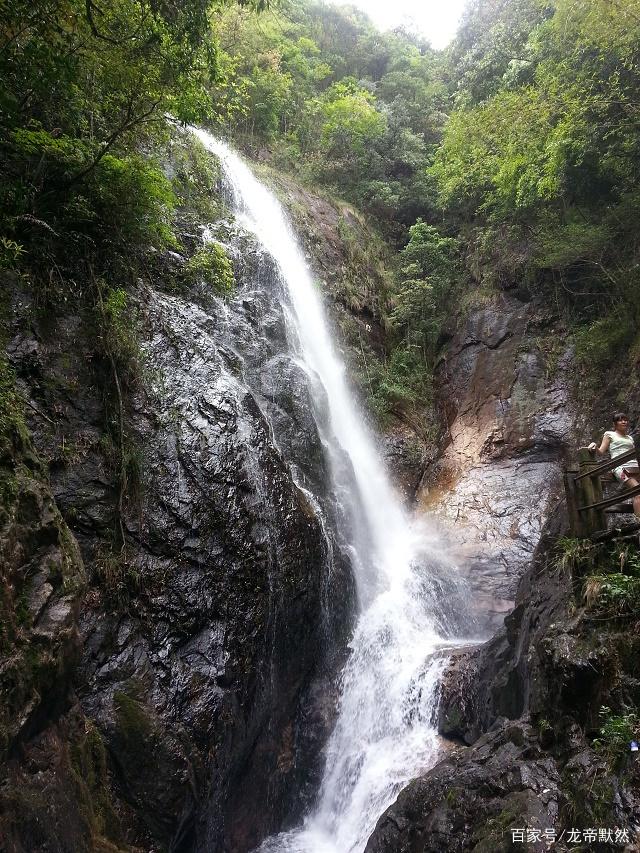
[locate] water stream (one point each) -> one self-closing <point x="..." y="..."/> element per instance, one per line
<point x="408" y="593"/>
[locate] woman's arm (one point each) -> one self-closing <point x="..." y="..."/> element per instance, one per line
<point x="604" y="444"/>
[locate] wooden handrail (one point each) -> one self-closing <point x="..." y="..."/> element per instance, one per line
<point x="609" y="465"/>
<point x="628" y="493"/>
<point x="583" y="484"/>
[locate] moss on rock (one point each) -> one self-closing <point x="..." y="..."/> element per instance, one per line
<point x="41" y="575"/>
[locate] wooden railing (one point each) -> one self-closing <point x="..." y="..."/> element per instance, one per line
<point x="583" y="483"/>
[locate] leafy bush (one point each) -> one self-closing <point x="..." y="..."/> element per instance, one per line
<point x="119" y="328"/>
<point x="598" y="344"/>
<point x="530" y="171"/>
<point x="122" y="199"/>
<point x="430" y="272"/>
<point x="338" y="102"/>
<point x="131" y="196"/>
<point x="577" y="555"/>
<point x="11" y="417"/>
<point x="84" y="90"/>
<point x="610" y="576"/>
<point x="211" y="264"/>
<point x="13" y="432"/>
<point x="196" y="179"/>
<point x="10" y="253"/>
<point x="351" y="122"/>
<point x="402" y="383"/>
<point x="616" y="732"/>
<point x="616" y="594"/>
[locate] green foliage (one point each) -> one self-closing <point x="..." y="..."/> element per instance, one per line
<point x="85" y="88"/>
<point x="115" y="305"/>
<point x="603" y="342"/>
<point x="430" y="272"/>
<point x="589" y="801"/>
<point x="351" y="123"/>
<point x="367" y="281"/>
<point x="132" y="60"/>
<point x="133" y="719"/>
<point x="13" y="431"/>
<point x="544" y="726"/>
<point x="492" y="49"/>
<point x="538" y="164"/>
<point x="123" y="198"/>
<point x="499" y="158"/>
<point x="616" y="732"/>
<point x="577" y="555"/>
<point x="10" y="253"/>
<point x="116" y="573"/>
<point x="609" y="576"/>
<point x="629" y="561"/>
<point x="402" y="384"/>
<point x="89" y="769"/>
<point x="615" y="594"/>
<point x="268" y="95"/>
<point x="340" y="102"/>
<point x="571" y="240"/>
<point x="118" y="337"/>
<point x="133" y="198"/>
<point x="118" y="329"/>
<point x="195" y="180"/>
<point x="211" y="264"/>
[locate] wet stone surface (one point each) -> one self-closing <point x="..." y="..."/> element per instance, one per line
<point x="510" y="423"/>
<point x="207" y="639"/>
<point x="522" y="712"/>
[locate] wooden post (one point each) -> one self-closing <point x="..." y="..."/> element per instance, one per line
<point x="576" y="525"/>
<point x="590" y="492"/>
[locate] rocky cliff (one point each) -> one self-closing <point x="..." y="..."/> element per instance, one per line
<point x="509" y="423"/>
<point x="176" y="587"/>
<point x="169" y="550"/>
<point x="528" y="705"/>
<point x="524" y="710"/>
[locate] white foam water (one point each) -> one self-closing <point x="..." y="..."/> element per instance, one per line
<point x="384" y="733"/>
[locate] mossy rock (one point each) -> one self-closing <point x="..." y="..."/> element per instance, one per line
<point x="494" y="836"/>
<point x="195" y="176"/>
<point x="89" y="766"/>
<point x="67" y="804"/>
<point x="134" y="723"/>
<point x="135" y="731"/>
<point x="42" y="577"/>
<point x="211" y="265"/>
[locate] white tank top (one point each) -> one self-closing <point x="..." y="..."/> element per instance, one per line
<point x="619" y="443"/>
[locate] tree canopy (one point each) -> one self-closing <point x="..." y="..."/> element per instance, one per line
<point x="344" y="105"/>
<point x="509" y="160"/>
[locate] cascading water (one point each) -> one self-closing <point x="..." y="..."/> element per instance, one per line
<point x="384" y="734"/>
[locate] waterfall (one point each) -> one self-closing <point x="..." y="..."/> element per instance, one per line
<point x="384" y="734"/>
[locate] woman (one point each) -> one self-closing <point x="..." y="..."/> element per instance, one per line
<point x="618" y="441"/>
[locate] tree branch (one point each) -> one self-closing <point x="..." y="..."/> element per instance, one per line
<point x="126" y="125"/>
<point x="89" y="7"/>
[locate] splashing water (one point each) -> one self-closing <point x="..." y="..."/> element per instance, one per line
<point x="384" y="734"/>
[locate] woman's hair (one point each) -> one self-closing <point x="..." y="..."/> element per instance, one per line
<point x="620" y="416"/>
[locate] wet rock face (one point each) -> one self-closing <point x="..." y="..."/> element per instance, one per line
<point x="471" y="800"/>
<point x="239" y="551"/>
<point x="510" y="422"/>
<point x="507" y="782"/>
<point x="405" y="455"/>
<point x="504" y="677"/>
<point x="205" y="639"/>
<point x="41" y="578"/>
<point x="524" y="709"/>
